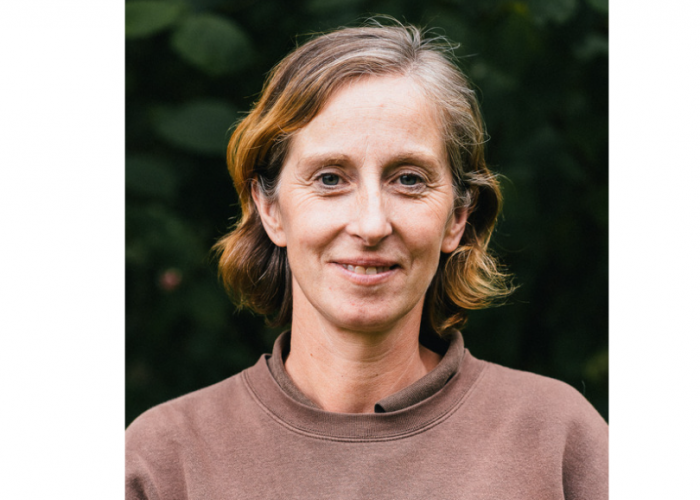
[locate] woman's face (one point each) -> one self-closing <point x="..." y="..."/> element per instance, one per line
<point x="364" y="207"/>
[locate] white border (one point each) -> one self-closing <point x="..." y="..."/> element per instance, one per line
<point x="62" y="205"/>
<point x="654" y="251"/>
<point x="62" y="257"/>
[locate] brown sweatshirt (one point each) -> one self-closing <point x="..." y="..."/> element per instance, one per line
<point x="468" y="430"/>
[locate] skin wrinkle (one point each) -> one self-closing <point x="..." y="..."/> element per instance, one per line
<point x="353" y="344"/>
<point x="293" y="94"/>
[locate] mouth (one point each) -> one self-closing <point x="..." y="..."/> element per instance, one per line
<point x="368" y="267"/>
<point x="368" y="270"/>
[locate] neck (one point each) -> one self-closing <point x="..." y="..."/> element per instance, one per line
<point x="348" y="371"/>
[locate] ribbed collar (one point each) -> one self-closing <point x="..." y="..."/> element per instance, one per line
<point x="421" y="389"/>
<point x="414" y="408"/>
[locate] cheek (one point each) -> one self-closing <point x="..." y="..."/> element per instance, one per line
<point x="424" y="218"/>
<point x="309" y="224"/>
<point x="422" y="238"/>
<point x="424" y="234"/>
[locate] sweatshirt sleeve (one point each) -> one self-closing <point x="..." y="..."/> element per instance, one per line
<point x="585" y="461"/>
<point x="139" y="484"/>
<point x="153" y="464"/>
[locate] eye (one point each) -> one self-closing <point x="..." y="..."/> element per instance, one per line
<point x="330" y="179"/>
<point x="409" y="179"/>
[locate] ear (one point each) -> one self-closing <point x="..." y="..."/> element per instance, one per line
<point x="454" y="230"/>
<point x="270" y="216"/>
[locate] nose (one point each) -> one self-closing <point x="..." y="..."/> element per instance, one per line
<point x="370" y="223"/>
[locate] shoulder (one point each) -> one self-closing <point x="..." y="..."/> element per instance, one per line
<point x="541" y="409"/>
<point x="552" y="418"/>
<point x="531" y="392"/>
<point x="185" y="414"/>
<point x="187" y="409"/>
<point x="160" y="442"/>
<point x="553" y="414"/>
<point x="543" y="425"/>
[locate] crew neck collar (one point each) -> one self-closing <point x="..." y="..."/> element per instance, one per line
<point x="413" y="409"/>
<point x="426" y="386"/>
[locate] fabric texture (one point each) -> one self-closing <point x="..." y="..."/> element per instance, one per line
<point x="482" y="431"/>
<point x="428" y="385"/>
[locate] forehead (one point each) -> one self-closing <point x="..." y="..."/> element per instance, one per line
<point x="373" y="117"/>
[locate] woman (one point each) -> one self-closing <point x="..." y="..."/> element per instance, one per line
<point x="367" y="211"/>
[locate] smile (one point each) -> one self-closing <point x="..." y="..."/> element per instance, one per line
<point x="366" y="270"/>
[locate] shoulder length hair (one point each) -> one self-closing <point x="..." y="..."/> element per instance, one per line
<point x="255" y="271"/>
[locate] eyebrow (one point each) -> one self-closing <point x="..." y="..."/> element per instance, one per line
<point x="417" y="158"/>
<point x="323" y="159"/>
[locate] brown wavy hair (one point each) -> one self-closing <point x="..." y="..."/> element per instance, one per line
<point x="255" y="271"/>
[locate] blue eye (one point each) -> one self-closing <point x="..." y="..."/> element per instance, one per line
<point x="330" y="179"/>
<point x="409" y="179"/>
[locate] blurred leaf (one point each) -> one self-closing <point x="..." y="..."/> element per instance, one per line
<point x="599" y="5"/>
<point x="148" y="18"/>
<point x="207" y="306"/>
<point x="523" y="41"/>
<point x="493" y="78"/>
<point x="331" y="6"/>
<point x="558" y="11"/>
<point x="596" y="367"/>
<point x="592" y="46"/>
<point x="149" y="176"/>
<point x="158" y="235"/>
<point x="200" y="126"/>
<point x="213" y="44"/>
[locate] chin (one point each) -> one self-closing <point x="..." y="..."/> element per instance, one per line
<point x="377" y="319"/>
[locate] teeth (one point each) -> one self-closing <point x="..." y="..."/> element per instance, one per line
<point x="365" y="270"/>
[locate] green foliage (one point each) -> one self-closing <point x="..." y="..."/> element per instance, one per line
<point x="556" y="11"/>
<point x="599" y="5"/>
<point x="192" y="69"/>
<point x="148" y="18"/>
<point x="149" y="176"/>
<point x="199" y="125"/>
<point x="213" y="44"/>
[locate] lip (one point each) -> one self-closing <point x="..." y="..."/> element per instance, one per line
<point x="382" y="270"/>
<point x="366" y="262"/>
